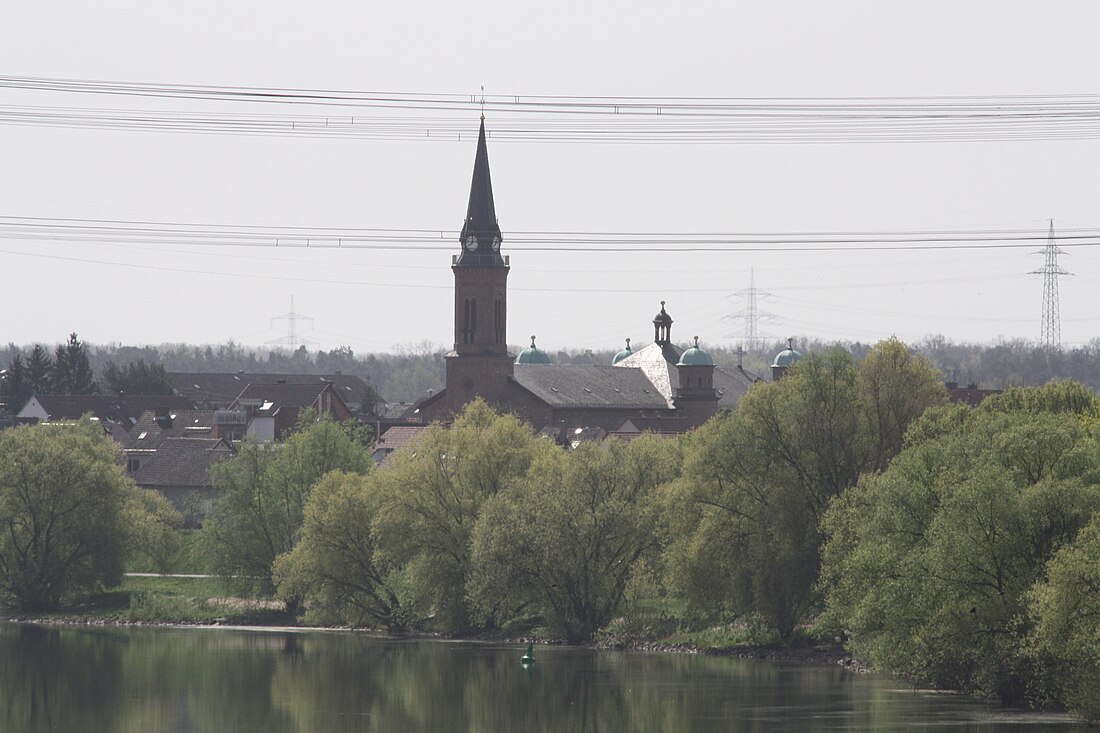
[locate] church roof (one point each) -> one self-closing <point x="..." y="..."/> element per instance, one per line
<point x="731" y="384"/>
<point x="569" y="385"/>
<point x="481" y="214"/>
<point x="657" y="362"/>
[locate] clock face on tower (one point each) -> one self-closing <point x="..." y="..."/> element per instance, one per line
<point x="496" y="243"/>
<point x="471" y="242"/>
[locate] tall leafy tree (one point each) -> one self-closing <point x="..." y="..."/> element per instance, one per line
<point x="68" y="514"/>
<point x="336" y="567"/>
<point x="430" y="501"/>
<point x="756" y="484"/>
<point x="264" y="490"/>
<point x="928" y="564"/>
<point x="564" y="541"/>
<point x="1066" y="609"/>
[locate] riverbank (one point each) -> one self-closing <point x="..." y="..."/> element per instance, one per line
<point x="195" y="599"/>
<point x="235" y="613"/>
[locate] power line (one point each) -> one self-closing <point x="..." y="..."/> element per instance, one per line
<point x="560" y="118"/>
<point x="223" y="235"/>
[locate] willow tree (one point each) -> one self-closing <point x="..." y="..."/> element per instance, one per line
<point x="69" y="516"/>
<point x="928" y="565"/>
<point x="430" y="500"/>
<point x="263" y="492"/>
<point x="745" y="513"/>
<point x="564" y="541"/>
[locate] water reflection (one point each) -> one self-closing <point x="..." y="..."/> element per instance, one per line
<point x="110" y="680"/>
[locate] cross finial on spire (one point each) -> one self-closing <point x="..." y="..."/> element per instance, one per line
<point x="482" y="101"/>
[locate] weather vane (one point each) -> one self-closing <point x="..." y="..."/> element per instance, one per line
<point x="482" y="101"/>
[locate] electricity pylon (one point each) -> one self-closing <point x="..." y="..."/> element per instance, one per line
<point x="292" y="339"/>
<point x="1051" y="332"/>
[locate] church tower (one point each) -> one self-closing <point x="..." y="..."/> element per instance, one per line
<point x="480" y="363"/>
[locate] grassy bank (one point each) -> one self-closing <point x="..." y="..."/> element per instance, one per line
<point x="170" y="600"/>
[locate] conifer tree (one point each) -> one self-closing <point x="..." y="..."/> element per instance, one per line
<point x="14" y="389"/>
<point x="71" y="370"/>
<point x="40" y="370"/>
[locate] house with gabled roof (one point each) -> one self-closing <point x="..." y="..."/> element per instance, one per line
<point x="270" y="411"/>
<point x="179" y="469"/>
<point x="218" y="390"/>
<point x="116" y="413"/>
<point x="153" y="428"/>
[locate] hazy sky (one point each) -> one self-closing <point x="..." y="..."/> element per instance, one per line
<point x="373" y="300"/>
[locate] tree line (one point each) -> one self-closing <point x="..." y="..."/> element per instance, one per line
<point x="408" y="372"/>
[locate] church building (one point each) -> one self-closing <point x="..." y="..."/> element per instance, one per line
<point x="661" y="387"/>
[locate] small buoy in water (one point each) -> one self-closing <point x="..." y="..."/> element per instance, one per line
<point x="529" y="657"/>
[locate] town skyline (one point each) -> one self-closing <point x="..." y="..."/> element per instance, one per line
<point x="164" y="289"/>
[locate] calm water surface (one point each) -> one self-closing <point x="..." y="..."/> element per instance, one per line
<point x="93" y="680"/>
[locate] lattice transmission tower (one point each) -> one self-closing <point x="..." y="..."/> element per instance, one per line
<point x="751" y="315"/>
<point x="1051" y="332"/>
<point x="292" y="339"/>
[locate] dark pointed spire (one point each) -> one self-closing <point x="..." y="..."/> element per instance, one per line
<point x="480" y="238"/>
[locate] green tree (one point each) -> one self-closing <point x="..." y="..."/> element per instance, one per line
<point x="928" y="564"/>
<point x="1066" y="609"/>
<point x="756" y="484"/>
<point x="15" y="390"/>
<point x="136" y="377"/>
<point x="68" y="515"/>
<point x="431" y="497"/>
<point x="895" y="387"/>
<point x="263" y="492"/>
<point x="563" y="541"/>
<point x="334" y="567"/>
<point x="72" y="373"/>
<point x="40" y="370"/>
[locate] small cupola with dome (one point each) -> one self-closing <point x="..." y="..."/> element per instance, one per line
<point x="784" y="360"/>
<point x="662" y="327"/>
<point x="622" y="354"/>
<point x="695" y="357"/>
<point x="533" y="355"/>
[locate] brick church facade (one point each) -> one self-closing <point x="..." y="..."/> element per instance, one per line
<point x="660" y="387"/>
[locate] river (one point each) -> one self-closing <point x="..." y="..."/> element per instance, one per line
<point x="148" y="680"/>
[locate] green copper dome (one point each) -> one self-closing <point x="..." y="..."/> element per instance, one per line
<point x="622" y="354"/>
<point x="533" y="355"/>
<point x="695" y="356"/>
<point x="788" y="356"/>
